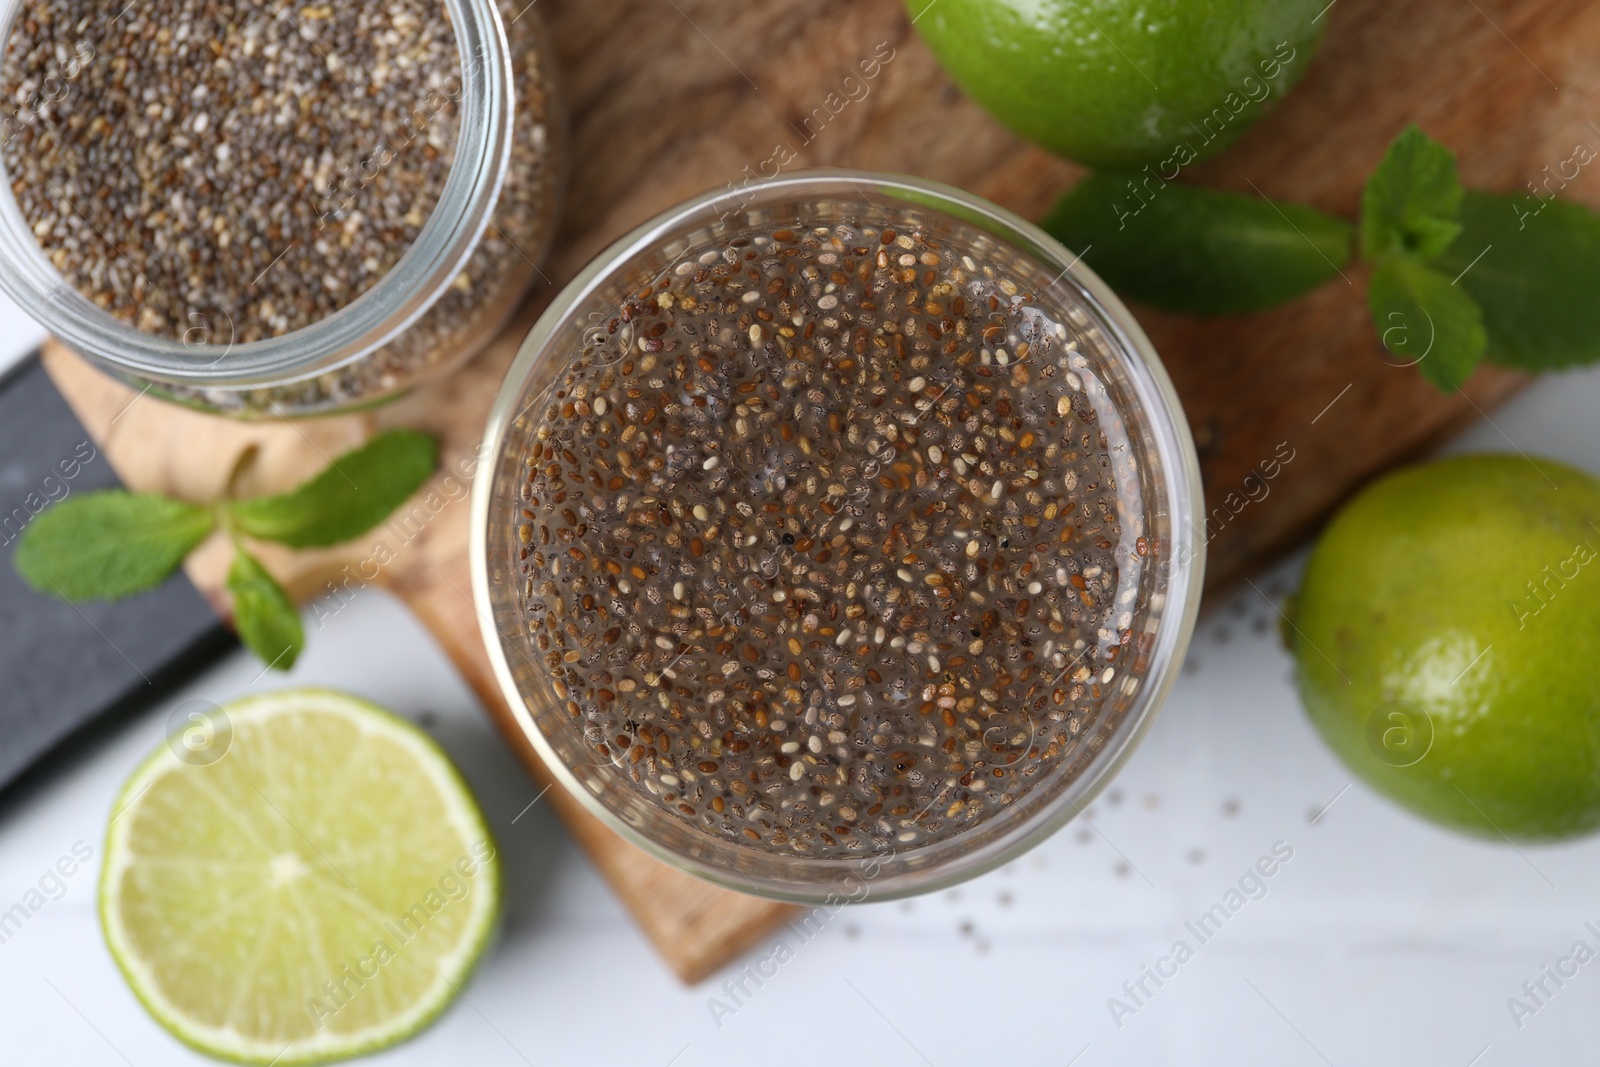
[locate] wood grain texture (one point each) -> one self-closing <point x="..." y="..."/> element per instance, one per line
<point x="668" y="99"/>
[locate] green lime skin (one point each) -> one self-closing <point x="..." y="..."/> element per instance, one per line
<point x="1447" y="638"/>
<point x="1124" y="83"/>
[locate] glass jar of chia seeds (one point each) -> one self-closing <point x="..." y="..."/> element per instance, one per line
<point x="839" y="537"/>
<point x="265" y="210"/>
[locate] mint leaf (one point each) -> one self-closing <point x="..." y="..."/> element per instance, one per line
<point x="1534" y="267"/>
<point x="1427" y="321"/>
<point x="355" y="493"/>
<point x="1195" y="250"/>
<point x="263" y="614"/>
<point x="109" y="544"/>
<point x="1410" y="204"/>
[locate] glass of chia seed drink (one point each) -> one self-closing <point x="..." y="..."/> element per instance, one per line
<point x="272" y="210"/>
<point x="838" y="536"/>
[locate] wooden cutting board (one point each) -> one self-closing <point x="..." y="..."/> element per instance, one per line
<point x="670" y="97"/>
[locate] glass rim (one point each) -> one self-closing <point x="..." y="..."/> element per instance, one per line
<point x="395" y="301"/>
<point x="1173" y="449"/>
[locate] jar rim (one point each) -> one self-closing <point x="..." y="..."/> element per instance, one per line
<point x="396" y="300"/>
<point x="895" y="873"/>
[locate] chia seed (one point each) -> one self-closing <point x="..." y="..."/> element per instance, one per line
<point x="832" y="538"/>
<point x="220" y="172"/>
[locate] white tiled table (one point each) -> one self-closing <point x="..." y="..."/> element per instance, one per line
<point x="1381" y="941"/>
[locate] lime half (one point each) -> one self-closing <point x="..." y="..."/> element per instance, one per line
<point x="295" y="878"/>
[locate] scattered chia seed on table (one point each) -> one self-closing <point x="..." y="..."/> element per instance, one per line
<point x="229" y="171"/>
<point x="833" y="540"/>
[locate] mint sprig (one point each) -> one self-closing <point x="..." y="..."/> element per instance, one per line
<point x="1427" y="321"/>
<point x="113" y="544"/>
<point x="109" y="545"/>
<point x="263" y="614"/>
<point x="1198" y="250"/>
<point x="1411" y="202"/>
<point x="1457" y="276"/>
<point x="359" y="490"/>
<point x="1410" y="213"/>
<point x="1533" y="266"/>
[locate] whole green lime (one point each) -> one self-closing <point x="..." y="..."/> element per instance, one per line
<point x="1447" y="643"/>
<point x="1124" y="83"/>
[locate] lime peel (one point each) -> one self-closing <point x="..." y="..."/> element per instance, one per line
<point x="1445" y="635"/>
